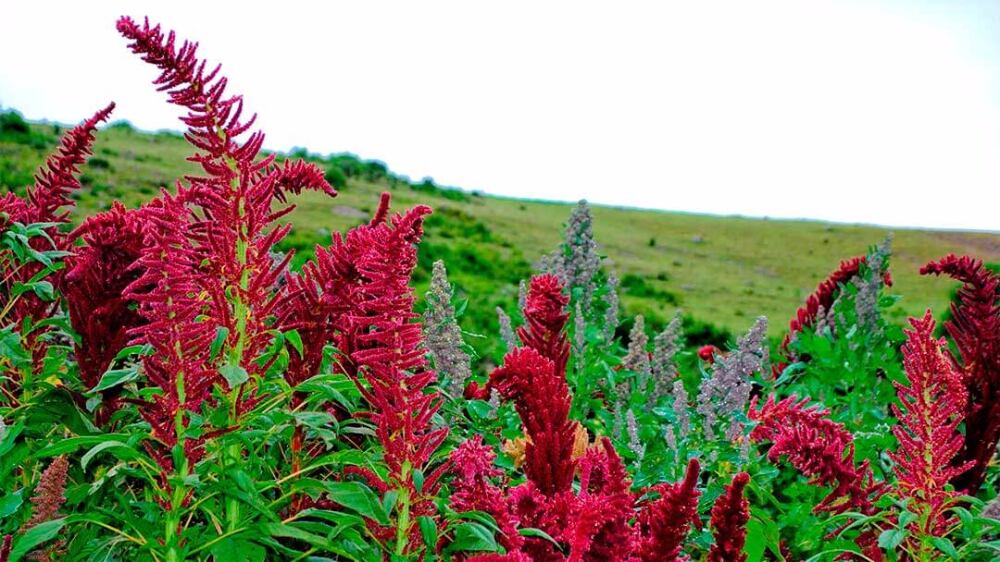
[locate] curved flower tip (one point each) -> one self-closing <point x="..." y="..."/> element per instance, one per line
<point x="730" y="515"/>
<point x="975" y="328"/>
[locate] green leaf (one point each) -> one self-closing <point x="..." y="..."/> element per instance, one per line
<point x="532" y="532"/>
<point x="73" y="443"/>
<point x="141" y="349"/>
<point x="116" y="377"/>
<point x="891" y="538"/>
<point x="220" y="338"/>
<point x="358" y="498"/>
<point x="128" y="452"/>
<point x="35" y="536"/>
<point x="945" y="546"/>
<point x="473" y="537"/>
<point x="293" y="337"/>
<point x="235" y="375"/>
<point x="429" y="531"/>
<point x="10" y="503"/>
<point x="237" y="550"/>
<point x="418" y="480"/>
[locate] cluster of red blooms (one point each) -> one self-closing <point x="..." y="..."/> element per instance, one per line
<point x="823" y="450"/>
<point x="195" y="274"/>
<point x="46" y="202"/>
<point x="932" y="407"/>
<point x="823" y="298"/>
<point x="975" y="328"/>
<point x="600" y="522"/>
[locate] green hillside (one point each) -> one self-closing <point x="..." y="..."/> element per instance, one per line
<point x="726" y="269"/>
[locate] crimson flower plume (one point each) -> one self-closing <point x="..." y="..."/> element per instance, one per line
<point x="170" y="300"/>
<point x="234" y="232"/>
<point x="545" y="318"/>
<point x="664" y="523"/>
<point x="541" y="397"/>
<point x="46" y="202"/>
<point x="975" y="328"/>
<point x="931" y="409"/>
<point x="817" y="447"/>
<point x="94" y="286"/>
<point x="730" y="515"/>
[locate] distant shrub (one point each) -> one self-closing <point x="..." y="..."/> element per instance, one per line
<point x="11" y="122"/>
<point x="99" y="163"/>
<point x="637" y="286"/>
<point x="336" y="177"/>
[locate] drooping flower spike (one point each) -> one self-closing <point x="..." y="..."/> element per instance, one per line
<point x="975" y="328"/>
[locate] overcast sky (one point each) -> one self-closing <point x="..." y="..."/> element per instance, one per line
<point x="882" y="112"/>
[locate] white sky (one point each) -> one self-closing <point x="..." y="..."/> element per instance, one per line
<point x="883" y="112"/>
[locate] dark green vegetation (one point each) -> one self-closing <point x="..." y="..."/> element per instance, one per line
<point x="727" y="269"/>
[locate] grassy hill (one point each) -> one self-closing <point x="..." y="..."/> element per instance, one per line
<point x="722" y="270"/>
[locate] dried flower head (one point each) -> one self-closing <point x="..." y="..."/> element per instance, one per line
<point x="506" y="330"/>
<point x="49" y="494"/>
<point x="442" y="336"/>
<point x="727" y="391"/>
<point x="666" y="344"/>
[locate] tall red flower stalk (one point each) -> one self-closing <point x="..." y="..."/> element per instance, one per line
<point x="390" y="358"/>
<point x="730" y="515"/>
<point x="94" y="286"/>
<point x="541" y="398"/>
<point x="975" y="328"/>
<point x="664" y="523"/>
<point x="46" y="202"/>
<point x="931" y="410"/>
<point x="170" y="300"/>
<point x="234" y="231"/>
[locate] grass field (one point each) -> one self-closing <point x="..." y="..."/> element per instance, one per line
<point x="729" y="269"/>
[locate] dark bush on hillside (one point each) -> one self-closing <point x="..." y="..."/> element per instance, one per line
<point x="636" y="286"/>
<point x="11" y="122"/>
<point x="452" y="223"/>
<point x="336" y="177"/>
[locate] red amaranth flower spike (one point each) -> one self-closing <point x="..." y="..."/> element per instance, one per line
<point x="541" y="397"/>
<point x="235" y="231"/>
<point x="5" y="548"/>
<point x="819" y="448"/>
<point x="545" y="319"/>
<point x="170" y="298"/>
<point x="388" y="354"/>
<point x="46" y="202"/>
<point x="932" y="407"/>
<point x="730" y="515"/>
<point x="97" y="276"/>
<point x="472" y="463"/>
<point x="599" y="524"/>
<point x="664" y="523"/>
<point x="975" y="327"/>
<point x="57" y="179"/>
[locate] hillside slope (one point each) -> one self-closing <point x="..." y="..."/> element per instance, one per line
<point x="725" y="270"/>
